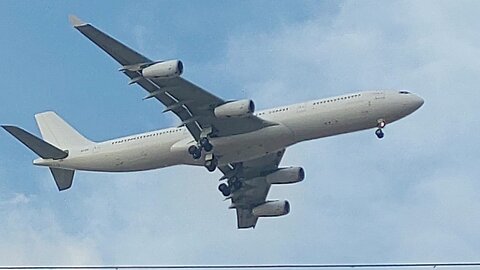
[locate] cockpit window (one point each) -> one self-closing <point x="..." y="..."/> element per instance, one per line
<point x="404" y="92"/>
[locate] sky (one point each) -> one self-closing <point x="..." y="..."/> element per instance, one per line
<point x="410" y="197"/>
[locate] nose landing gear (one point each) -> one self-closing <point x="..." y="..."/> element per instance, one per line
<point x="379" y="132"/>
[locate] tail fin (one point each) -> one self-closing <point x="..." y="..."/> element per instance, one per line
<point x="58" y="132"/>
<point x="57" y="135"/>
<point x="63" y="177"/>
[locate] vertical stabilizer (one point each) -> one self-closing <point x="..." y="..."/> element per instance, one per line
<point x="58" y="132"/>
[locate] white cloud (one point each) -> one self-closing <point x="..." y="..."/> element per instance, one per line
<point x="31" y="235"/>
<point x="17" y="199"/>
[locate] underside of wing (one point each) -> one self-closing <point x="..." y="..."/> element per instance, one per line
<point x="253" y="190"/>
<point x="192" y="104"/>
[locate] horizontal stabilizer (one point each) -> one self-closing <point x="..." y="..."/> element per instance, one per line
<point x="37" y="145"/>
<point x="63" y="178"/>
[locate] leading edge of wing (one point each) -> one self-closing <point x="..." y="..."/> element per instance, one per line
<point x="120" y="52"/>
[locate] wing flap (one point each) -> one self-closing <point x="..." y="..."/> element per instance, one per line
<point x="245" y="219"/>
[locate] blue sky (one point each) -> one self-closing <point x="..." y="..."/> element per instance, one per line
<point x="410" y="197"/>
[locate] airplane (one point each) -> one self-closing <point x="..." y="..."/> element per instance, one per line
<point x="228" y="135"/>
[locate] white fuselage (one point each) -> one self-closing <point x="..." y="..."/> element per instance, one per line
<point x="296" y="123"/>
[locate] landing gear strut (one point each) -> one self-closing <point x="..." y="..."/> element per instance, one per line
<point x="210" y="162"/>
<point x="379" y="131"/>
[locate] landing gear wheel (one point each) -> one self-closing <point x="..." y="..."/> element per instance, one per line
<point x="195" y="151"/>
<point x="192" y="149"/>
<point x="205" y="144"/>
<point x="197" y="154"/>
<point x="379" y="133"/>
<point x="224" y="189"/>
<point x="211" y="165"/>
<point x="208" y="147"/>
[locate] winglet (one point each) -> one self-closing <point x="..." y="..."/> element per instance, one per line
<point x="75" y="21"/>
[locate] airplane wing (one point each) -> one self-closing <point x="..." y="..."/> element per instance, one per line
<point x="254" y="188"/>
<point x="193" y="105"/>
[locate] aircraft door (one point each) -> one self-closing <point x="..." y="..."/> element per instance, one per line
<point x="301" y="108"/>
<point x="379" y="95"/>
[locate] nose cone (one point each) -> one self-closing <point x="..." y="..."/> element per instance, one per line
<point x="402" y="104"/>
<point x="417" y="102"/>
<point x="411" y="103"/>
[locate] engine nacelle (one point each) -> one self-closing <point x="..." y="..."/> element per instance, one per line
<point x="286" y="176"/>
<point x="272" y="209"/>
<point x="239" y="108"/>
<point x="164" y="70"/>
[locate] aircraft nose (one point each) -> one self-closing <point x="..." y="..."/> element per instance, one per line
<point x="412" y="103"/>
<point x="417" y="102"/>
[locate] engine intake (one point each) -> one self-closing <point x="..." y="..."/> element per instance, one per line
<point x="164" y="70"/>
<point x="239" y="108"/>
<point x="272" y="209"/>
<point x="286" y="175"/>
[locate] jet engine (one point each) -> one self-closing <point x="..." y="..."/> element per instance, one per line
<point x="164" y="70"/>
<point x="286" y="176"/>
<point x="239" y="108"/>
<point x="272" y="209"/>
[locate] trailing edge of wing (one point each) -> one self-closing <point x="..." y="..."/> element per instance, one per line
<point x="37" y="145"/>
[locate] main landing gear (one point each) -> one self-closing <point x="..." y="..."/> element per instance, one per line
<point x="210" y="162"/>
<point x="224" y="189"/>
<point x="233" y="184"/>
<point x="205" y="144"/>
<point x="196" y="152"/>
<point x="379" y="131"/>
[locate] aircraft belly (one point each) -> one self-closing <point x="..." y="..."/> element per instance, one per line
<point x="137" y="158"/>
<point x="252" y="145"/>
